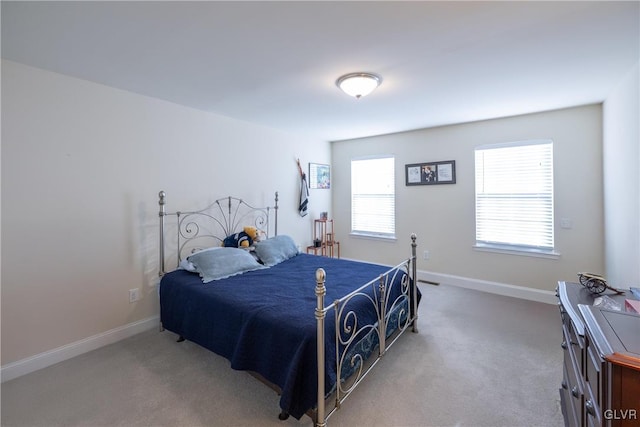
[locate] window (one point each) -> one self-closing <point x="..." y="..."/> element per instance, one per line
<point x="373" y="202"/>
<point x="514" y="196"/>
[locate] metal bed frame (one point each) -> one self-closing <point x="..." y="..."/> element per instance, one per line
<point x="227" y="215"/>
<point x="209" y="226"/>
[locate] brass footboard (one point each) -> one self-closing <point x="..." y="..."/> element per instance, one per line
<point x="348" y="333"/>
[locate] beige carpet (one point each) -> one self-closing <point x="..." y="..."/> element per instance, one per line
<point x="479" y="360"/>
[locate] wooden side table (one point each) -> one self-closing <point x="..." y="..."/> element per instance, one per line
<point x="323" y="231"/>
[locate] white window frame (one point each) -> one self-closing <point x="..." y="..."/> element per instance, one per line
<point x="537" y="194"/>
<point x="357" y="228"/>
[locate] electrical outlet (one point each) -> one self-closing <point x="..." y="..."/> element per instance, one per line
<point x="134" y="295"/>
<point x="425" y="255"/>
<point x="566" y="223"/>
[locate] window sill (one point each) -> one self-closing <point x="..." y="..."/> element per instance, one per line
<point x="372" y="236"/>
<point x="510" y="250"/>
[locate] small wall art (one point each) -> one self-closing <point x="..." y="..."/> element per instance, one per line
<point x="431" y="173"/>
<point x="319" y="176"/>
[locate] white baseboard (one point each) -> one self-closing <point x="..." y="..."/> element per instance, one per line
<point x="532" y="294"/>
<point x="51" y="357"/>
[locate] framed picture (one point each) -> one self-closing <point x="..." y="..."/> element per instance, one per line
<point x="319" y="176"/>
<point x="431" y="173"/>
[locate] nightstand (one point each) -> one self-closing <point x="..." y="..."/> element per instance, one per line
<point x="323" y="231"/>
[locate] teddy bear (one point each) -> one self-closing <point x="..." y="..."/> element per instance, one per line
<point x="242" y="239"/>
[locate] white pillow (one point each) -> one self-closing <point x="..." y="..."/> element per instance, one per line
<point x="185" y="264"/>
<point x="222" y="263"/>
<point x="276" y="249"/>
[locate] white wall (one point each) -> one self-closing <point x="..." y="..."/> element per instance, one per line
<point x="621" y="123"/>
<point x="443" y="215"/>
<point x="82" y="165"/>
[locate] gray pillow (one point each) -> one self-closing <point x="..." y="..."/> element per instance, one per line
<point x="276" y="249"/>
<point x="222" y="263"/>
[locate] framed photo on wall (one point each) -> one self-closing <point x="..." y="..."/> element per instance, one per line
<point x="430" y="173"/>
<point x="319" y="176"/>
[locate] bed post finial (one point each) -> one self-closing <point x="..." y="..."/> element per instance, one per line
<point x="320" y="277"/>
<point x="321" y="290"/>
<point x="276" y="209"/>
<point x="162" y="214"/>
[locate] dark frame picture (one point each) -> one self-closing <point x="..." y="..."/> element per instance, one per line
<point x="431" y="173"/>
<point x="319" y="176"/>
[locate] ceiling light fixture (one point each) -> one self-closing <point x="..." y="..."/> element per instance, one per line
<point x="358" y="84"/>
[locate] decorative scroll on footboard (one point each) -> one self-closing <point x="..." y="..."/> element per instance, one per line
<point x="392" y="300"/>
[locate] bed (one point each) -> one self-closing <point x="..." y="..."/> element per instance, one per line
<point x="263" y="308"/>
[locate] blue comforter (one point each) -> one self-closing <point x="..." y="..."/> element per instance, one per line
<point x="263" y="320"/>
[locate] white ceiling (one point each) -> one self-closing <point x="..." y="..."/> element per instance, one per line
<point x="276" y="63"/>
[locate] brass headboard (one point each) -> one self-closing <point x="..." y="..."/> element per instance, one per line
<point x="209" y="226"/>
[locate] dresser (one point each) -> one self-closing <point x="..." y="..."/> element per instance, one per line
<point x="601" y="369"/>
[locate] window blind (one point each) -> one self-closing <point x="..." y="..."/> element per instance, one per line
<point x="373" y="196"/>
<point x="514" y="194"/>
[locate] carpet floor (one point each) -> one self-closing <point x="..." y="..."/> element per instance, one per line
<point x="479" y="360"/>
